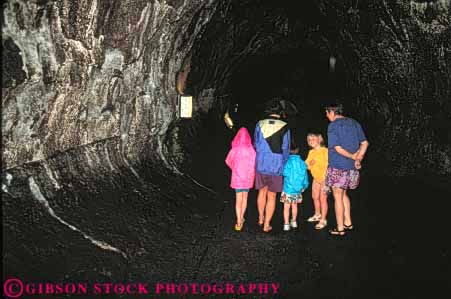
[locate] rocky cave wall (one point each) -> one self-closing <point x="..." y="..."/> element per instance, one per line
<point x="399" y="74"/>
<point x="78" y="74"/>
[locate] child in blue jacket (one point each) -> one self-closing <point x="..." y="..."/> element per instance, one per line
<point x="294" y="183"/>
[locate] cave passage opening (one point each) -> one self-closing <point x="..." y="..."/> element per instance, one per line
<point x="301" y="76"/>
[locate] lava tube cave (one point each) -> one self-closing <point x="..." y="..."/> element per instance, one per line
<point x="104" y="180"/>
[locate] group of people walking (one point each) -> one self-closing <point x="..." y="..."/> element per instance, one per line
<point x="272" y="163"/>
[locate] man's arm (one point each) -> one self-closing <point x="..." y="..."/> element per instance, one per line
<point x="358" y="155"/>
<point x="363" y="144"/>
<point x="344" y="152"/>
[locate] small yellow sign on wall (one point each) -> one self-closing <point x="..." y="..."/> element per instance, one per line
<point x="186" y="106"/>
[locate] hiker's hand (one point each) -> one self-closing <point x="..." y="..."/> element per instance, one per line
<point x="312" y="163"/>
<point x="357" y="164"/>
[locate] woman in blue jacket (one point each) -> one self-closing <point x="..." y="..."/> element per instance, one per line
<point x="272" y="143"/>
<point x="294" y="183"/>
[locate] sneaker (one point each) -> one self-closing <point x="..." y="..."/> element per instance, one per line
<point x="314" y="218"/>
<point x="286" y="227"/>
<point x="294" y="224"/>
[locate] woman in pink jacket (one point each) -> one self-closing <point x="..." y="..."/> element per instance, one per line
<point x="241" y="160"/>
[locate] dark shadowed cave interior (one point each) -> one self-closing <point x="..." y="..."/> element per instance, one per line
<point x="103" y="182"/>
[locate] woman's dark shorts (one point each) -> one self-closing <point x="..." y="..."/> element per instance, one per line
<point x="274" y="182"/>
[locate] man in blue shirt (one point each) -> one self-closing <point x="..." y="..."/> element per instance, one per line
<point x="347" y="146"/>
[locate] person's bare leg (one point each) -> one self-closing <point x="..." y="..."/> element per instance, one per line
<point x="269" y="210"/>
<point x="286" y="213"/>
<point x="347" y="209"/>
<point x="261" y="203"/>
<point x="238" y="207"/>
<point x="243" y="205"/>
<point x="323" y="204"/>
<point x="339" y="207"/>
<point x="316" y="189"/>
<point x="294" y="211"/>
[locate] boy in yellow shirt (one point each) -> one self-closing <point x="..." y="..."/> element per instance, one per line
<point x="317" y="164"/>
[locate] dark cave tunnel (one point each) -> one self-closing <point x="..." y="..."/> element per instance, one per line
<point x="300" y="76"/>
<point x="290" y="59"/>
<point x="290" y="64"/>
<point x="104" y="208"/>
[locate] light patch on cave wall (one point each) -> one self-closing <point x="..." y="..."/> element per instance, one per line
<point x="432" y="16"/>
<point x="35" y="44"/>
